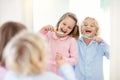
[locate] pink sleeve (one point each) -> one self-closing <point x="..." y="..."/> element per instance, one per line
<point x="3" y="71"/>
<point x="43" y="31"/>
<point x="73" y="52"/>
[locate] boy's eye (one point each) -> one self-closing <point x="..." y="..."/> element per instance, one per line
<point x="85" y="25"/>
<point x="92" y="25"/>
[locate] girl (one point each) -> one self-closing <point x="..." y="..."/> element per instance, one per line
<point x="90" y="65"/>
<point x="7" y="31"/>
<point x="25" y="58"/>
<point x="62" y="40"/>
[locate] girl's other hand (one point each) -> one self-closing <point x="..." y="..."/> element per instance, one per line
<point x="58" y="56"/>
<point x="59" y="60"/>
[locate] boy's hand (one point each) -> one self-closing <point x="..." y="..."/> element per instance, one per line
<point x="98" y="39"/>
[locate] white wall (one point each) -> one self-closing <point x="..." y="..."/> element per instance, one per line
<point x="115" y="40"/>
<point x="10" y="10"/>
<point x="48" y="12"/>
<point x="16" y="10"/>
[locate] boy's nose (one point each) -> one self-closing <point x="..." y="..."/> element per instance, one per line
<point x="88" y="26"/>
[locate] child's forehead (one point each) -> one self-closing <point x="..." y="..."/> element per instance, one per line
<point x="90" y="21"/>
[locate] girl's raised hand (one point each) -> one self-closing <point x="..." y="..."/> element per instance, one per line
<point x="48" y="28"/>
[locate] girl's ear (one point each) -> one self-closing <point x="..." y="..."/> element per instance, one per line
<point x="81" y="30"/>
<point x="57" y="27"/>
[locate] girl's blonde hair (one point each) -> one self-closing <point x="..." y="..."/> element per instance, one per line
<point x="75" y="32"/>
<point x="26" y="54"/>
<point x="95" y="24"/>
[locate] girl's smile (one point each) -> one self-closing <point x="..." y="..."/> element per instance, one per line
<point x="66" y="26"/>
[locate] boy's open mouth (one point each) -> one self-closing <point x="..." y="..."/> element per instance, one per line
<point x="88" y="31"/>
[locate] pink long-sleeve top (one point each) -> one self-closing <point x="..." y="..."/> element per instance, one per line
<point x="3" y="72"/>
<point x="66" y="46"/>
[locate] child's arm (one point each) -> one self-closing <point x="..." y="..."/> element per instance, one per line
<point x="46" y="28"/>
<point x="73" y="53"/>
<point x="105" y="48"/>
<point x="64" y="68"/>
<point x="60" y="60"/>
<point x="67" y="72"/>
<point x="97" y="39"/>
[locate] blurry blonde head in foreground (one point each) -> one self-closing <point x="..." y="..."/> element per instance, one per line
<point x="7" y="31"/>
<point x="26" y="54"/>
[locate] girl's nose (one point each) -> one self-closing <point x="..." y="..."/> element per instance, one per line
<point x="65" y="28"/>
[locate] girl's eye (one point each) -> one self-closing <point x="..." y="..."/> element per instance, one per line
<point x="69" y="28"/>
<point x="64" y="24"/>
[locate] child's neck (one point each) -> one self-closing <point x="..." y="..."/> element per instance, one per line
<point x="87" y="41"/>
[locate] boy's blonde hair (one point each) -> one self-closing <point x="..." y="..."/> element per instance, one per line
<point x="75" y="32"/>
<point x="7" y="31"/>
<point x="95" y="24"/>
<point x="26" y="54"/>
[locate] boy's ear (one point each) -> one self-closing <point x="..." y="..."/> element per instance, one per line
<point x="81" y="31"/>
<point x="96" y="33"/>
